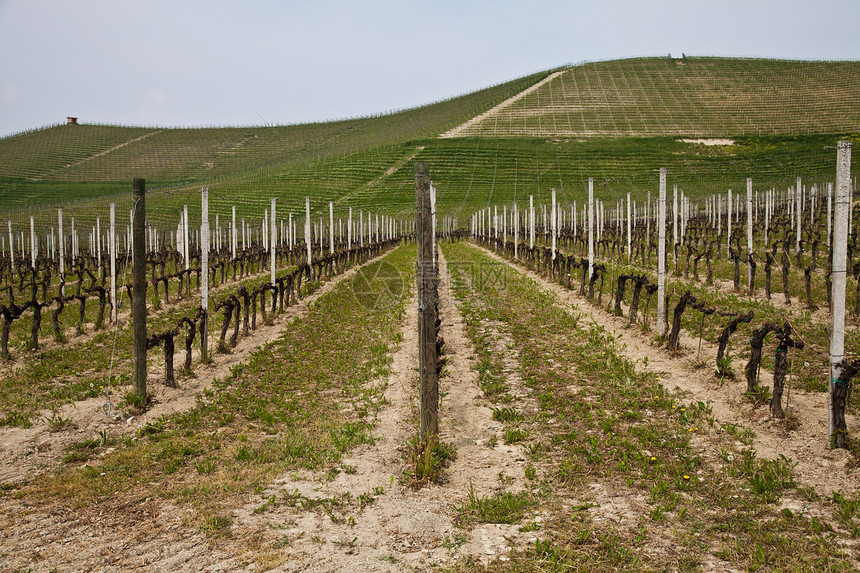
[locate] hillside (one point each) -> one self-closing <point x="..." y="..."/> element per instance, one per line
<point x="616" y="121"/>
<point x="700" y="97"/>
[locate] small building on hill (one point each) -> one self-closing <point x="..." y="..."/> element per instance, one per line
<point x="71" y="121"/>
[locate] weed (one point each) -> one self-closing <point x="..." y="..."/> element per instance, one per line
<point x="57" y="423"/>
<point x="501" y="507"/>
<point x="427" y="459"/>
<point x="514" y="435"/>
<point x="506" y="414"/>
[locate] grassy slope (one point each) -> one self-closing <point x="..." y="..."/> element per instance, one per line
<point x="30" y="162"/>
<point x="697" y="97"/>
<point x="349" y="161"/>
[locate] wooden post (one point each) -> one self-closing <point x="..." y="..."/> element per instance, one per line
<point x="138" y="271"/>
<point x="661" y="252"/>
<point x="798" y="211"/>
<point x="433" y="222"/>
<point x="839" y="274"/>
<point x="204" y="271"/>
<point x="590" y="228"/>
<point x="429" y="384"/>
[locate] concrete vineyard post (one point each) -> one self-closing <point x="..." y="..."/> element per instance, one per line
<point x="112" y="251"/>
<point x="531" y="221"/>
<point x="839" y="274"/>
<point x="516" y="224"/>
<point x="331" y="228"/>
<point x="428" y="382"/>
<point x="33" y="242"/>
<point x="138" y="270"/>
<point x="273" y="242"/>
<point x="749" y="234"/>
<point x="829" y="212"/>
<point x="729" y="224"/>
<point x="61" y="250"/>
<point x="349" y="231"/>
<point x="98" y="244"/>
<point x="719" y="214"/>
<point x="661" y="251"/>
<point x="554" y="223"/>
<point x="204" y="271"/>
<point x="234" y="241"/>
<point x="308" y="227"/>
<point x="629" y="223"/>
<point x="674" y="222"/>
<point x="185" y="236"/>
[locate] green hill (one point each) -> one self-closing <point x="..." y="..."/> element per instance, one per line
<point x="616" y="121"/>
<point x="695" y="97"/>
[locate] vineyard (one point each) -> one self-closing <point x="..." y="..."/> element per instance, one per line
<point x="602" y="317"/>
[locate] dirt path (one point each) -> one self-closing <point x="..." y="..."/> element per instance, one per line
<point x="375" y="520"/>
<point x="401" y="528"/>
<point x="818" y="467"/>
<point x="26" y="452"/>
<point x="462" y="128"/>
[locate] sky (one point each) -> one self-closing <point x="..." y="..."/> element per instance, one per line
<point x="262" y="62"/>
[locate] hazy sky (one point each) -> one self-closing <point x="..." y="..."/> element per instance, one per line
<point x="212" y="62"/>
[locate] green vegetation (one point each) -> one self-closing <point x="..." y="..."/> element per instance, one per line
<point x="694" y="97"/>
<point x="604" y="431"/>
<point x="299" y="402"/>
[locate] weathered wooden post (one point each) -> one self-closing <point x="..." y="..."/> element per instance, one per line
<point x="428" y="382"/>
<point x="838" y="279"/>
<point x="590" y="227"/>
<point x="661" y="252"/>
<point x="138" y="271"/>
<point x="798" y="211"/>
<point x="204" y="271"/>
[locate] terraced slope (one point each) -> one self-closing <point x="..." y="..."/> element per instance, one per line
<point x="702" y="97"/>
